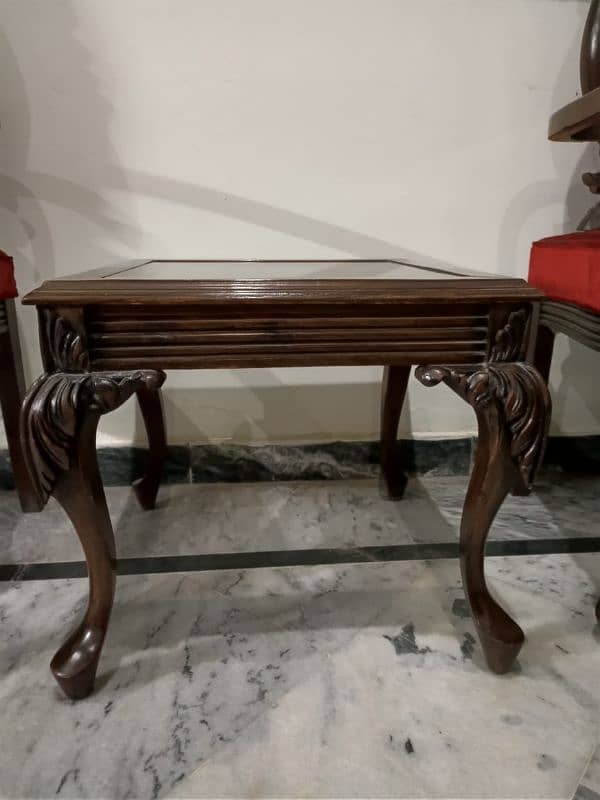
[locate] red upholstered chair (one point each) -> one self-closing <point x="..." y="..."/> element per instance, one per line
<point x="12" y="382"/>
<point x="567" y="269"/>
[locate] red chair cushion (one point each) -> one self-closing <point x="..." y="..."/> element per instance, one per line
<point x="8" y="287"/>
<point x="568" y="268"/>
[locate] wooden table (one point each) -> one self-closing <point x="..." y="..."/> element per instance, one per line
<point x="107" y="335"/>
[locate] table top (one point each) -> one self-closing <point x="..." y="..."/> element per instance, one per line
<point x="157" y="281"/>
<point x="268" y="270"/>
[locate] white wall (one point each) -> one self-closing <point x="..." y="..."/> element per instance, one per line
<point x="290" y="128"/>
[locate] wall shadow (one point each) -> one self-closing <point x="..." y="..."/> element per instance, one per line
<point x="566" y="189"/>
<point x="28" y="198"/>
<point x="28" y="192"/>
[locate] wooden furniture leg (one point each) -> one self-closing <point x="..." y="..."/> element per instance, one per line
<point x="12" y="392"/>
<point x="80" y="492"/>
<point x="59" y="418"/>
<point x="512" y="405"/>
<point x="544" y="348"/>
<point x="393" y="392"/>
<point x="146" y="487"/>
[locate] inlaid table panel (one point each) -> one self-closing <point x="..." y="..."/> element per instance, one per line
<point x="109" y="334"/>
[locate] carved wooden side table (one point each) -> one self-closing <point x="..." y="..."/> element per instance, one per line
<point x="108" y="334"/>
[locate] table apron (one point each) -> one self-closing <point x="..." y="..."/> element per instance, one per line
<point x="188" y="337"/>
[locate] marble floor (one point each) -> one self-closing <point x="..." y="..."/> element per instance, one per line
<point x="344" y="680"/>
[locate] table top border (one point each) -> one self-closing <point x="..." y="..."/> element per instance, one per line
<point x="337" y="291"/>
<point x="94" y="287"/>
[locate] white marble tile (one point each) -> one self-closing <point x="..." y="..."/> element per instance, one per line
<point x="363" y="727"/>
<point x="215" y="518"/>
<point x="305" y="682"/>
<point x="428" y="722"/>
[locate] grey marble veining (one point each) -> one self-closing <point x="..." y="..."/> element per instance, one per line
<point x="232" y="517"/>
<point x="363" y="681"/>
<point x="328" y="461"/>
<point x="235" y="463"/>
<point x="560" y="506"/>
<point x="216" y="518"/>
<point x="348" y="680"/>
<point x="432" y="726"/>
<point x="120" y="466"/>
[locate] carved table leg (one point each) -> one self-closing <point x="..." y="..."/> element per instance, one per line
<point x="544" y="347"/>
<point x="512" y="405"/>
<point x="146" y="487"/>
<point x="393" y="391"/>
<point x="58" y="426"/>
<point x="80" y="493"/>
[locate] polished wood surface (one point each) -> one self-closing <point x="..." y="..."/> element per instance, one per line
<point x="393" y="392"/>
<point x="60" y="416"/>
<point x="104" y="338"/>
<point x="115" y="286"/>
<point x="512" y="405"/>
<point x="578" y="121"/>
<point x="150" y="402"/>
<point x="589" y="59"/>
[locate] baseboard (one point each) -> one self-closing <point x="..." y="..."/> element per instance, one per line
<point x="232" y="463"/>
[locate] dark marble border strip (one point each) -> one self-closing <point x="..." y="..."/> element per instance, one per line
<point x="583" y="793"/>
<point x="231" y="463"/>
<point x="297" y="558"/>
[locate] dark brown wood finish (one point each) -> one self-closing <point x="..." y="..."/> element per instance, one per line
<point x="63" y="343"/>
<point x="543" y="351"/>
<point x="60" y="416"/>
<point x="512" y="405"/>
<point x="579" y="121"/>
<point x="150" y="402"/>
<point x="393" y="392"/>
<point x="189" y="324"/>
<point x="578" y="323"/>
<point x="476" y="328"/>
<point x="589" y="60"/>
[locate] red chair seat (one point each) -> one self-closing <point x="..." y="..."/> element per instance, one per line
<point x="567" y="268"/>
<point x="8" y="287"/>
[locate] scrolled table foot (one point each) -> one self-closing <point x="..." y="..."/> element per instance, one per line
<point x="512" y="405"/>
<point x="59" y="419"/>
<point x="501" y="654"/>
<point x="75" y="663"/>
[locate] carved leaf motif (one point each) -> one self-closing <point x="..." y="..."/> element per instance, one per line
<point x="54" y="408"/>
<point x="65" y="345"/>
<point x="526" y="401"/>
<point x="509" y="340"/>
<point x="521" y="396"/>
